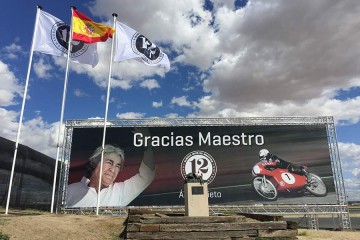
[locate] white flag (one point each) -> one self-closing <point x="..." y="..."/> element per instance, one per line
<point x="52" y="37"/>
<point x="132" y="45"/>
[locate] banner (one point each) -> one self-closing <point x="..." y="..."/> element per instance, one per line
<point x="226" y="156"/>
<point x="132" y="45"/>
<point x="52" y="37"/>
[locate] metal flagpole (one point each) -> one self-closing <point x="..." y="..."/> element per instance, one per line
<point x="62" y="113"/>
<point x="106" y="113"/>
<point x="22" y="108"/>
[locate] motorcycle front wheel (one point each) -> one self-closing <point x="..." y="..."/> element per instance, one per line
<point x="265" y="188"/>
<point x="315" y="185"/>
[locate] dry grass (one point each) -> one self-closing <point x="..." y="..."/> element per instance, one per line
<point x="305" y="234"/>
<point x="61" y="226"/>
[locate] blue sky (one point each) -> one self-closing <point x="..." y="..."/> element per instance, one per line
<point x="228" y="59"/>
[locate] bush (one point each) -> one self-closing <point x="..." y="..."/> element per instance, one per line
<point x="4" y="236"/>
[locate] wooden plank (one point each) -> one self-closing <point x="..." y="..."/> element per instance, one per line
<point x="156" y="225"/>
<point x="161" y="215"/>
<point x="140" y="211"/>
<point x="262" y="217"/>
<point x="292" y="225"/>
<point x="278" y="233"/>
<point x="185" y="219"/>
<point x="133" y="227"/>
<point x="149" y="228"/>
<point x="192" y="235"/>
<point x="134" y="218"/>
<point x="222" y="226"/>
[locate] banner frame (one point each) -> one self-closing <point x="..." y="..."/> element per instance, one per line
<point x="340" y="208"/>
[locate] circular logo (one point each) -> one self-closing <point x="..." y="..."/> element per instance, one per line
<point x="60" y="37"/>
<point x="147" y="50"/>
<point x="199" y="162"/>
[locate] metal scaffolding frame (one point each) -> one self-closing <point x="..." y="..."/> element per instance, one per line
<point x="344" y="218"/>
<point x="341" y="208"/>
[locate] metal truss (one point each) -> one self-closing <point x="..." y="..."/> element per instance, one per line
<point x="173" y="122"/>
<point x="344" y="218"/>
<point x="270" y="209"/>
<point x="341" y="208"/>
<point x="280" y="209"/>
<point x="64" y="168"/>
<point x="104" y="211"/>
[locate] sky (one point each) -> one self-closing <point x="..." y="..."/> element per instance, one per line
<point x="228" y="59"/>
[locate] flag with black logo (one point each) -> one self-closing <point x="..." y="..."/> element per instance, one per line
<point x="52" y="37"/>
<point x="132" y="45"/>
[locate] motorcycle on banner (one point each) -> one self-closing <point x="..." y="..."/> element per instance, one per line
<point x="268" y="181"/>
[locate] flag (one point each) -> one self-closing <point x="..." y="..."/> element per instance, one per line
<point x="132" y="45"/>
<point x="87" y="31"/>
<point x="52" y="37"/>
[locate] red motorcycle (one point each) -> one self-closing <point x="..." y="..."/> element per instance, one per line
<point x="268" y="181"/>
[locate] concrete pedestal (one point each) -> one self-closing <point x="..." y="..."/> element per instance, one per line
<point x="196" y="199"/>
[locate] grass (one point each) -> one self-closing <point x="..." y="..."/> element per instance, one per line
<point x="4" y="236"/>
<point x="3" y="221"/>
<point x="302" y="233"/>
<point x="25" y="211"/>
<point x="274" y="238"/>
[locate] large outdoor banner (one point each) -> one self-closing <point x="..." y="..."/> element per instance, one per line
<point x="296" y="169"/>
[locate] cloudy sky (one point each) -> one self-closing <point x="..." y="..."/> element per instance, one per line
<point x="228" y="59"/>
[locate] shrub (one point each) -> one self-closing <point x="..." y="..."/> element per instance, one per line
<point x="4" y="236"/>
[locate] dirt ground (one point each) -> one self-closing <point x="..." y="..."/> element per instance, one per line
<point x="61" y="226"/>
<point x="70" y="226"/>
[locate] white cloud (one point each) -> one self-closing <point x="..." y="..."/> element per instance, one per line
<point x="11" y="51"/>
<point x="35" y="133"/>
<point x="172" y="115"/>
<point x="13" y="47"/>
<point x="350" y="155"/>
<point x="184" y="24"/>
<point x="42" y="69"/>
<point x="130" y="115"/>
<point x="342" y="110"/>
<point x="356" y="172"/>
<point x="281" y="57"/>
<point x="150" y="84"/>
<point x="9" y="86"/>
<point x="181" y="101"/>
<point x="80" y="93"/>
<point x="124" y="74"/>
<point x="8" y="124"/>
<point x="40" y="135"/>
<point x="157" y="104"/>
<point x="352" y="188"/>
<point x="266" y="59"/>
<point x="111" y="100"/>
<point x="350" y="163"/>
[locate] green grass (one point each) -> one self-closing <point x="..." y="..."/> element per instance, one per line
<point x="3" y="221"/>
<point x="302" y="233"/>
<point x="4" y="236"/>
<point x="272" y="238"/>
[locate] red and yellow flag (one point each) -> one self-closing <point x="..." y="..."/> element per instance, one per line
<point x="88" y="31"/>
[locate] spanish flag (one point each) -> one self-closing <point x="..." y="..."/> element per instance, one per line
<point x="87" y="31"/>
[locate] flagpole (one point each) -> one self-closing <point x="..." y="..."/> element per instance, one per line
<point x="22" y="109"/>
<point x="106" y="113"/>
<point x="62" y="114"/>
